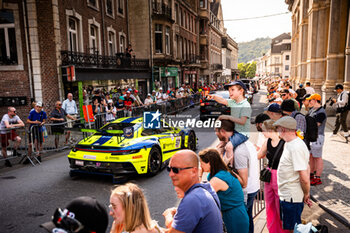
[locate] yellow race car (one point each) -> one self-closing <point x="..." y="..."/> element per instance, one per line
<point x="124" y="147"/>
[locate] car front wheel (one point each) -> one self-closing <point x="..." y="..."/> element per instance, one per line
<point x="154" y="161"/>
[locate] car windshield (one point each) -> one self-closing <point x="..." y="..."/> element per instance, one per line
<point x="116" y="128"/>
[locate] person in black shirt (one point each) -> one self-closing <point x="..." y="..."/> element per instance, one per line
<point x="300" y="94"/>
<point x="272" y="149"/>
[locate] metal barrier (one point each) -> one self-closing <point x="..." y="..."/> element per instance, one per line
<point x="259" y="202"/>
<point x="11" y="146"/>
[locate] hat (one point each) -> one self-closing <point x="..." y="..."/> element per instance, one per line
<point x="300" y="85"/>
<point x="314" y="97"/>
<point x="39" y="104"/>
<point x="305" y="96"/>
<point x="154" y="91"/>
<point x="288" y="106"/>
<point x="160" y="88"/>
<point x="261" y="118"/>
<point x="121" y="97"/>
<point x="278" y="99"/>
<point x="88" y="211"/>
<point x="286" y="122"/>
<point x="129" y="89"/>
<point x="273" y="108"/>
<point x="136" y="91"/>
<point x="127" y="92"/>
<point x="110" y="101"/>
<point x="148" y="94"/>
<point x="240" y="83"/>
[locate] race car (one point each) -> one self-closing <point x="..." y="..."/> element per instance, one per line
<point x="124" y="147"/>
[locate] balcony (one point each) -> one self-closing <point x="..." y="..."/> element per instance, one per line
<point x="161" y="11"/>
<point x="191" y="59"/>
<point x="216" y="66"/>
<point x="120" y="62"/>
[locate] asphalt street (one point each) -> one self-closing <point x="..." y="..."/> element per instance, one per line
<point x="29" y="195"/>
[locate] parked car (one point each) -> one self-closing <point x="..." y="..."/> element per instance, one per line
<point x="212" y="109"/>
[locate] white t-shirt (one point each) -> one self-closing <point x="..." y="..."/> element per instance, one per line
<point x="11" y="121"/>
<point x="309" y="90"/>
<point x="159" y="96"/>
<point x="245" y="156"/>
<point x="148" y="101"/>
<point x="295" y="158"/>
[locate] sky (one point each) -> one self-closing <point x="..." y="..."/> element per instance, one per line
<point x="247" y="30"/>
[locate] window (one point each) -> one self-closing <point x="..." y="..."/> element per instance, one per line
<point x="158" y="38"/>
<point x="180" y="48"/>
<point x="111" y="43"/>
<point x="167" y="40"/>
<point x="93" y="39"/>
<point x="287" y="57"/>
<point x="277" y="70"/>
<point x="176" y="14"/>
<point x="277" y="60"/>
<point x="93" y="3"/>
<point x="203" y="3"/>
<point x="8" y="48"/>
<point x="110" y="7"/>
<point x="287" y="67"/>
<point x="73" y="35"/>
<point x="180" y="21"/>
<point x="122" y="43"/>
<point x="121" y="7"/>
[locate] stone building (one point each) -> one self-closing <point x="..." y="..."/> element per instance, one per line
<point x="280" y="55"/>
<point x="320" y="44"/>
<point x="229" y="58"/>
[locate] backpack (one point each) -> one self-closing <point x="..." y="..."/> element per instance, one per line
<point x="311" y="133"/>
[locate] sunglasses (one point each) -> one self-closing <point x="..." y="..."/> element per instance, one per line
<point x="177" y="169"/>
<point x="65" y="219"/>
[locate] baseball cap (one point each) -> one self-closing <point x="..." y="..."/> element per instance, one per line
<point x="305" y="96"/>
<point x="314" y="97"/>
<point x="39" y="104"/>
<point x="136" y="91"/>
<point x="110" y="101"/>
<point x="286" y="122"/>
<point x="85" y="211"/>
<point x="240" y="83"/>
<point x="288" y="106"/>
<point x="300" y="85"/>
<point x="273" y="108"/>
<point x="154" y="91"/>
<point x="160" y="88"/>
<point x="127" y="92"/>
<point x="148" y="94"/>
<point x="261" y="118"/>
<point x="339" y="86"/>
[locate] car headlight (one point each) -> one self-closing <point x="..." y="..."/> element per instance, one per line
<point x="74" y="149"/>
<point x="125" y="152"/>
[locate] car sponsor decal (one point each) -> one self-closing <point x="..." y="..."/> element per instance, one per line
<point x="89" y="157"/>
<point x="177" y="142"/>
<point x="102" y="140"/>
<point x="129" y="120"/>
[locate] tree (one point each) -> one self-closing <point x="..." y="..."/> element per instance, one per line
<point x="242" y="70"/>
<point x="251" y="70"/>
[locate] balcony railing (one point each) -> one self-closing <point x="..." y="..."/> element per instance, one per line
<point x="84" y="60"/>
<point x="216" y="66"/>
<point x="191" y="59"/>
<point x="161" y="10"/>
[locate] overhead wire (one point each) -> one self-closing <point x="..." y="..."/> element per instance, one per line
<point x="257" y="17"/>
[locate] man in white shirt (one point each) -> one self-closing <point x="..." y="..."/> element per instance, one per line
<point x="159" y="96"/>
<point x="292" y="174"/>
<point x="309" y="89"/>
<point x="70" y="107"/>
<point x="148" y="100"/>
<point x="342" y="110"/>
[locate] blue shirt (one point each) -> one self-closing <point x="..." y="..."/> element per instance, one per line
<point x="198" y="211"/>
<point x="34" y="116"/>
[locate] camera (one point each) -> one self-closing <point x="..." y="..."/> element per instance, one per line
<point x="330" y="100"/>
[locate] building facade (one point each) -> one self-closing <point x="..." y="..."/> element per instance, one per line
<point x="320" y="44"/>
<point x="280" y="55"/>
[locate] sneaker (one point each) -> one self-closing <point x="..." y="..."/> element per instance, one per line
<point x="316" y="181"/>
<point x="39" y="158"/>
<point x="8" y="163"/>
<point x="312" y="176"/>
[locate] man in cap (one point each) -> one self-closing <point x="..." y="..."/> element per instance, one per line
<point x="274" y="111"/>
<point x="292" y="174"/>
<point x="288" y="108"/>
<point x="316" y="162"/>
<point x="148" y="100"/>
<point x="82" y="215"/>
<point x="128" y="104"/>
<point x="154" y="98"/>
<point x="259" y="120"/>
<point x="137" y="98"/>
<point x="300" y="93"/>
<point x="305" y="102"/>
<point x="240" y="107"/>
<point x="159" y="96"/>
<point x="286" y="95"/>
<point x="342" y="110"/>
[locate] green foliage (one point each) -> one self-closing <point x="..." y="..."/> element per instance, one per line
<point x="253" y="49"/>
<point x="247" y="70"/>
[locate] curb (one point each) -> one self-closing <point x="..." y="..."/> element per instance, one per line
<point x="337" y="216"/>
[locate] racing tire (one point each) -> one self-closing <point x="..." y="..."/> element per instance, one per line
<point x="154" y="162"/>
<point x="192" y="142"/>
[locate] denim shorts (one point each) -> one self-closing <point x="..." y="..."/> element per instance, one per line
<point x="290" y="214"/>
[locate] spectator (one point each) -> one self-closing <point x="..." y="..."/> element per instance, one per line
<point x="309" y="89"/>
<point x="128" y="51"/>
<point x="98" y="110"/>
<point x="286" y="95"/>
<point x="130" y="211"/>
<point x="129" y="103"/>
<point x="159" y="96"/>
<point x="228" y="189"/>
<point x="240" y="107"/>
<point x="305" y="101"/>
<point x="111" y="111"/>
<point x="138" y="101"/>
<point x="82" y="214"/>
<point x="259" y="120"/>
<point x="274" y="111"/>
<point x="245" y="162"/>
<point x="199" y="210"/>
<point x="300" y="93"/>
<point x="154" y="97"/>
<point x="36" y="119"/>
<point x="58" y="117"/>
<point x="342" y="111"/>
<point x="316" y="162"/>
<point x="272" y="149"/>
<point x="148" y="100"/>
<point x="120" y="107"/>
<point x="9" y="122"/>
<point x="292" y="174"/>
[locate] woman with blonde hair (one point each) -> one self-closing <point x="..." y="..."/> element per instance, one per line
<point x="130" y="211"/>
<point x="272" y="149"/>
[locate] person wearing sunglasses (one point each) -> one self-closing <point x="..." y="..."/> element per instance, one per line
<point x="199" y="209"/>
<point x="58" y="117"/>
<point x="82" y="215"/>
<point x="130" y="211"/>
<point x="9" y="122"/>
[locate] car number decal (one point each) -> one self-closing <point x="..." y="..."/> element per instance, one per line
<point x="79" y="162"/>
<point x="177" y="142"/>
<point x="89" y="157"/>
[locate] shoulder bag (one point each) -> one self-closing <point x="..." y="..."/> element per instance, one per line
<point x="265" y="174"/>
